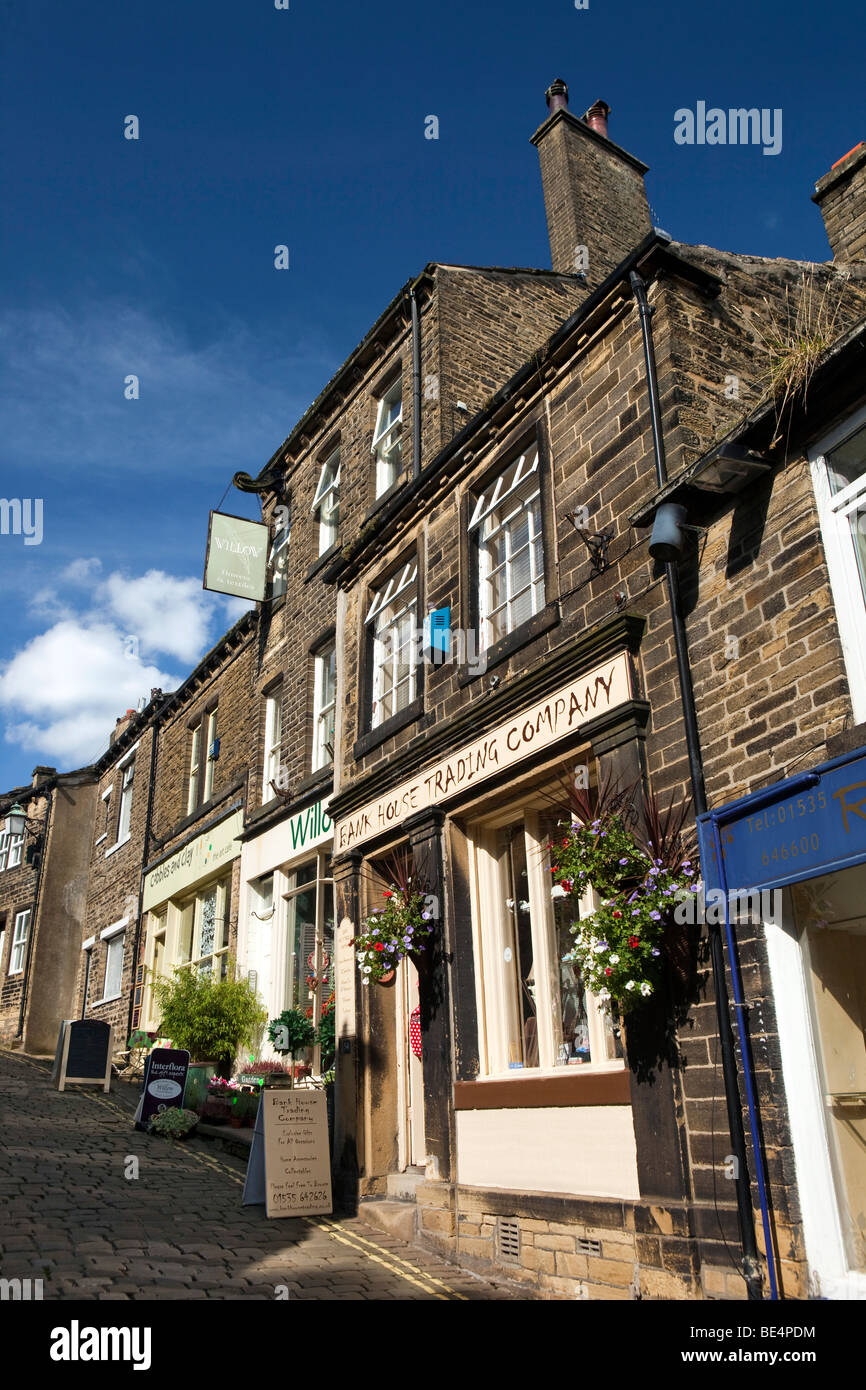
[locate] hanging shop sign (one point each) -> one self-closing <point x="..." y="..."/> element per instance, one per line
<point x="236" y="561"/>
<point x="528" y="733"/>
<point x="194" y="861"/>
<point x="164" y="1083"/>
<point x="807" y="825"/>
<point x="289" y="1167"/>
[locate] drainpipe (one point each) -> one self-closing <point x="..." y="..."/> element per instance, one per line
<point x="751" y="1264"/>
<point x="31" y="935"/>
<point x="416" y="383"/>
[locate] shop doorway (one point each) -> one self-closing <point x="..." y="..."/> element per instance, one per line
<point x="411" y="1145"/>
<point x="818" y="962"/>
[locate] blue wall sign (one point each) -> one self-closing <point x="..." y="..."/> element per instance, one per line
<point x="807" y="825"/>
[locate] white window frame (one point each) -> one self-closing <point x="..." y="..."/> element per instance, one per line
<point x="114" y="937"/>
<point x="297" y="988"/>
<point x="387" y="446"/>
<point x="5" y="837"/>
<point x="106" y="802"/>
<point x="194" y="768"/>
<point x="494" y="987"/>
<point x="20" y="935"/>
<point x="16" y="850"/>
<point x="834" y="511"/>
<point x="126" y="764"/>
<point x="326" y="503"/>
<point x="278" y="557"/>
<point x="222" y="888"/>
<point x="389" y="611"/>
<point x="516" y="490"/>
<point x="209" y="728"/>
<point x="273" y="741"/>
<point x="324" y="710"/>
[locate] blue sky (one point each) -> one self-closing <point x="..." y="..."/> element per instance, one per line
<point x="259" y="127"/>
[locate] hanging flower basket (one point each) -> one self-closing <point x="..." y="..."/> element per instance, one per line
<point x="620" y="947"/>
<point x="401" y="928"/>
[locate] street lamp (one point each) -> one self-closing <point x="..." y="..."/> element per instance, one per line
<point x="16" y="821"/>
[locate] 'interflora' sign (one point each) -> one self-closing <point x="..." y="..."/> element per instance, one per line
<point x="529" y="732"/>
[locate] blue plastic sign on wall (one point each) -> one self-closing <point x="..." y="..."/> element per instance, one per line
<point x="437" y="635"/>
<point x="807" y="825"/>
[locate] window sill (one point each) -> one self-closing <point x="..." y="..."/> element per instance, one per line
<point x="383" y="499"/>
<point x="321" y="777"/>
<point x="103" y="836"/>
<point x="374" y="737"/>
<point x="579" y="1085"/>
<point x="541" y="622"/>
<point x="118" y="845"/>
<point x="109" y="999"/>
<point x="10" y="974"/>
<point x="324" y="559"/>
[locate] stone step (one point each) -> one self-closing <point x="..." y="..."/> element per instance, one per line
<point x="397" y="1218"/>
<point x="402" y="1187"/>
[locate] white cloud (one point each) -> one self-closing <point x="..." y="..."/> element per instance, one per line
<point x="70" y="684"/>
<point x="163" y="614"/>
<point x="64" y="689"/>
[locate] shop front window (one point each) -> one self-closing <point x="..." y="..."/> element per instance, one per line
<point x="537" y="1013"/>
<point x="310" y="926"/>
<point x="203" y="930"/>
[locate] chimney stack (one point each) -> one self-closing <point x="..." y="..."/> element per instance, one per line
<point x="122" y="724"/>
<point x="841" y="196"/>
<point x="594" y="195"/>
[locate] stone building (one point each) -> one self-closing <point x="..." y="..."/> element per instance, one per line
<point x="43" y="887"/>
<point x="597" y="1162"/>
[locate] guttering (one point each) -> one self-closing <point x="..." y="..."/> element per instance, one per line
<point x="751" y="1265"/>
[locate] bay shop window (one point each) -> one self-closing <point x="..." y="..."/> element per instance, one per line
<point x="534" y="1012"/>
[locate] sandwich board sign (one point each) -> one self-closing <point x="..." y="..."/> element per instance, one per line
<point x="85" y="1054"/>
<point x="289" y="1167"/>
<point x="164" y="1083"/>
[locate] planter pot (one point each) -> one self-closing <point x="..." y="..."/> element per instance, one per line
<point x="387" y="980"/>
<point x="198" y="1076"/>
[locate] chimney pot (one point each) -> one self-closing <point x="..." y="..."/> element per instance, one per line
<point x="596" y="117"/>
<point x="556" y="96"/>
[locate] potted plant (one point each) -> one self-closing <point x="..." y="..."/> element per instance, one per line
<point x="400" y="928"/>
<point x="291" y="1032"/>
<point x="173" y="1123"/>
<point x="211" y="1018"/>
<point x="639" y="878"/>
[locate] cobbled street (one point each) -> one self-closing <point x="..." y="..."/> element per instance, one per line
<point x="71" y="1217"/>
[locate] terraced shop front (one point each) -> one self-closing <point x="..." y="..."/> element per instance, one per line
<point x="804" y="839"/>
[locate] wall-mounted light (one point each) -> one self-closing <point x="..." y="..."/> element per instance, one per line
<point x="16" y="821"/>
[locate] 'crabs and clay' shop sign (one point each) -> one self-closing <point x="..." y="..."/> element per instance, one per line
<point x="557" y="717"/>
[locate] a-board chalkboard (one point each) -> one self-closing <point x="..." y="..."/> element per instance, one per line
<point x="85" y="1059"/>
<point x="289" y="1166"/>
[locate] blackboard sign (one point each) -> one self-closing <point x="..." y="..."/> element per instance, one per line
<point x="289" y="1167"/>
<point x="164" y="1083"/>
<point x="85" y="1058"/>
<point x="58" y="1052"/>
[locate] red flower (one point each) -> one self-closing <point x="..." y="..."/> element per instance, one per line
<point x="633" y="942"/>
<point x="386" y="894"/>
<point x="617" y="913"/>
<point x="378" y="946"/>
<point x="607" y="970"/>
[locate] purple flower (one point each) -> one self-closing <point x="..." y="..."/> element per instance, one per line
<point x="375" y="931"/>
<point x="653" y="873"/>
<point x="656" y="951"/>
<point x="623" y="861"/>
<point x="656" y="916"/>
<point x="425" y="916"/>
<point x="409" y="931"/>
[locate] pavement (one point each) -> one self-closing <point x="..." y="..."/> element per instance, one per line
<point x="98" y="1210"/>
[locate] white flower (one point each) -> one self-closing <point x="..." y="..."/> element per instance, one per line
<point x="603" y="995"/>
<point x="646" y="989"/>
<point x="598" y="947"/>
<point x="614" y="959"/>
<point x="557" y="891"/>
<point x="630" y="984"/>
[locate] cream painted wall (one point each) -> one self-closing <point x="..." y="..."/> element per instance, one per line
<point x="586" y="1150"/>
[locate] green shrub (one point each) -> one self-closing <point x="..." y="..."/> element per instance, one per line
<point x="291" y="1032"/>
<point x="210" y="1018"/>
